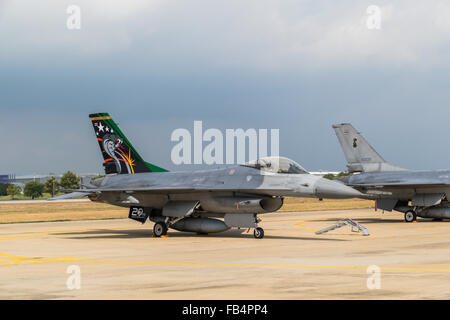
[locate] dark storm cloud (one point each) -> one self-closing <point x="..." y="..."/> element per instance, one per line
<point x="157" y="66"/>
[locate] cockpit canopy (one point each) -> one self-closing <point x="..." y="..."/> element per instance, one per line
<point x="276" y="165"/>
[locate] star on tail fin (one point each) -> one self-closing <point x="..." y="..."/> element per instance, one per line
<point x="118" y="153"/>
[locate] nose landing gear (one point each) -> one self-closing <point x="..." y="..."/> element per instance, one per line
<point x="258" y="233"/>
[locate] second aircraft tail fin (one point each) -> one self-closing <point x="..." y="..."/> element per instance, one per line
<point x="360" y="155"/>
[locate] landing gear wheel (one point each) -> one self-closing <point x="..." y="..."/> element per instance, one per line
<point x="258" y="233"/>
<point x="159" y="229"/>
<point x="410" y="216"/>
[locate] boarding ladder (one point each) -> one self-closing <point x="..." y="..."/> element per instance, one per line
<point x="356" y="227"/>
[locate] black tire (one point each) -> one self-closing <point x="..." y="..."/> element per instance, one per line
<point x="258" y="233"/>
<point x="410" y="216"/>
<point x="159" y="229"/>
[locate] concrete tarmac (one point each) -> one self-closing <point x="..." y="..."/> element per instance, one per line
<point x="119" y="259"/>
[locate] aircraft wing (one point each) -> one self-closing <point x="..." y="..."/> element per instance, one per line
<point x="169" y="189"/>
<point x="70" y="195"/>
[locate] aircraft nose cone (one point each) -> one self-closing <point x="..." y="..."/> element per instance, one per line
<point x="325" y="188"/>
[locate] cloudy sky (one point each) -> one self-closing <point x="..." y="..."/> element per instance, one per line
<point x="158" y="65"/>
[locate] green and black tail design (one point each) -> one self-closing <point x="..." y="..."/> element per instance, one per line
<point x="118" y="153"/>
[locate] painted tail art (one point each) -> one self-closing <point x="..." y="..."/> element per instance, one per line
<point x="118" y="153"/>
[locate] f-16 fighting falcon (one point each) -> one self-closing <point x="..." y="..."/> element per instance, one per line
<point x="208" y="201"/>
<point x="415" y="193"/>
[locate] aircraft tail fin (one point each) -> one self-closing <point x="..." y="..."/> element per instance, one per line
<point x="360" y="155"/>
<point x="118" y="153"/>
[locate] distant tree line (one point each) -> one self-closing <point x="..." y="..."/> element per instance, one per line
<point x="331" y="176"/>
<point x="35" y="189"/>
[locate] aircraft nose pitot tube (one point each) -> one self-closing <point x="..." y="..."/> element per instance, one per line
<point x="325" y="188"/>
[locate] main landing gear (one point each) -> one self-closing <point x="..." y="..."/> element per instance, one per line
<point x="159" y="229"/>
<point x="410" y="216"/>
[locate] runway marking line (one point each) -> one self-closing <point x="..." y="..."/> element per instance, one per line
<point x="19" y="259"/>
<point x="61" y="232"/>
<point x="194" y="264"/>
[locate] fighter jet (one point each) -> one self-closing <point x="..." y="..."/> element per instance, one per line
<point x="207" y="201"/>
<point x="423" y="194"/>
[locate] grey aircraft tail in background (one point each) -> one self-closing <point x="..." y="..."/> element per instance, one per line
<point x="415" y="193"/>
<point x="207" y="201"/>
<point x="360" y="155"/>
